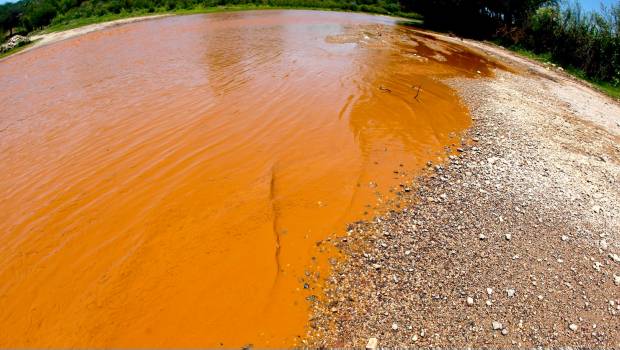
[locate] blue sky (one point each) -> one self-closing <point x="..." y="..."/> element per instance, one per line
<point x="589" y="5"/>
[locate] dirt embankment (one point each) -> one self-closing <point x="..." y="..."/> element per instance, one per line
<point x="515" y="241"/>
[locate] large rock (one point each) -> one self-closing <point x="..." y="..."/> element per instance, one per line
<point x="13" y="42"/>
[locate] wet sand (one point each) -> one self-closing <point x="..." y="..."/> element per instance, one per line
<point x="168" y="182"/>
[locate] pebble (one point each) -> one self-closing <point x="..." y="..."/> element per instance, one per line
<point x="470" y="301"/>
<point x="394" y="326"/>
<point x="508" y="236"/>
<point x="564" y="237"/>
<point x="482" y="237"/>
<point x="510" y="292"/>
<point x="573" y="327"/>
<point x="504" y="331"/>
<point x="372" y="344"/>
<point x="497" y="326"/>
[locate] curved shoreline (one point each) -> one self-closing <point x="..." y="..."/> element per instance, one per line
<point x="546" y="149"/>
<point x="44" y="39"/>
<point x="514" y="242"/>
<point x="39" y="40"/>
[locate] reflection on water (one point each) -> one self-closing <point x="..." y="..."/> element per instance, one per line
<point x="165" y="182"/>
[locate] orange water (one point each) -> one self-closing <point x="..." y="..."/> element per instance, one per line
<point x="165" y="183"/>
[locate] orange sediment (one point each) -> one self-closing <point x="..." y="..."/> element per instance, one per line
<point x="165" y="183"/>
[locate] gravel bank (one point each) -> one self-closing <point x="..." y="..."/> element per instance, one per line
<point x="512" y="241"/>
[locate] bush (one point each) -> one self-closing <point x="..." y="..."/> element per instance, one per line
<point x="589" y="42"/>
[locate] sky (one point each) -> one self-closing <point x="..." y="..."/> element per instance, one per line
<point x="588" y="5"/>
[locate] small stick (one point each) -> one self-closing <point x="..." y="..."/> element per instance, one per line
<point x="417" y="92"/>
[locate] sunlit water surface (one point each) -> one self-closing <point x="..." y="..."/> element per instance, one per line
<point x="165" y="183"/>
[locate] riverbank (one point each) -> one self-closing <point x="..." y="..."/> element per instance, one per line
<point x="607" y="88"/>
<point x="513" y="240"/>
<point x="80" y="26"/>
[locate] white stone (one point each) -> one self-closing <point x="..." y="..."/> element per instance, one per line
<point x="372" y="344"/>
<point x="597" y="266"/>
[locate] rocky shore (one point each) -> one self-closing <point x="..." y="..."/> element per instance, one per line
<point x="512" y="240"/>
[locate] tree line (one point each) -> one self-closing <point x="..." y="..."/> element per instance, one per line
<point x="587" y="42"/>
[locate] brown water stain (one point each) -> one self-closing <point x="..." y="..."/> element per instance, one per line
<point x="165" y="183"/>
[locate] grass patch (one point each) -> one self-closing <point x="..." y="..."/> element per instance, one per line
<point x="605" y="87"/>
<point x="413" y="20"/>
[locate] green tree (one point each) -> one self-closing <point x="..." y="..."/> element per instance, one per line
<point x="40" y="13"/>
<point x="9" y="17"/>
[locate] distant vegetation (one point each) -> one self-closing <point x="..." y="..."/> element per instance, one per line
<point x="587" y="44"/>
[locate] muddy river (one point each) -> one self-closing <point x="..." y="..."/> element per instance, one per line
<point x="165" y="183"/>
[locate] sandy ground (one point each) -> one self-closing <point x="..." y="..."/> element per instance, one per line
<point x="512" y="240"/>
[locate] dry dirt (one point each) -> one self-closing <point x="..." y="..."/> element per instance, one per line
<point x="511" y="240"/>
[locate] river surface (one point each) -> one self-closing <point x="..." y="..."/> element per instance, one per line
<point x="165" y="183"/>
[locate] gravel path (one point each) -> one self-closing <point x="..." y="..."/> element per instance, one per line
<point x="512" y="241"/>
